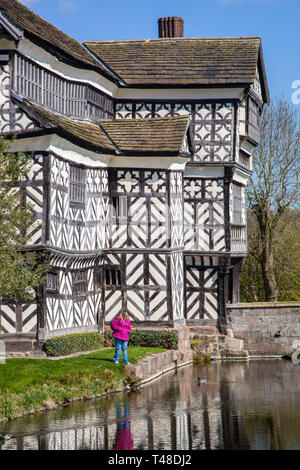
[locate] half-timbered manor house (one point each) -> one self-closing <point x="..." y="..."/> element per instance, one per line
<point x="142" y="153"/>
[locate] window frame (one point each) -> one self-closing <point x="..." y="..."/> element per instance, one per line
<point x="252" y="126"/>
<point x="112" y="273"/>
<point x="237" y="213"/>
<point x="77" y="187"/>
<point x="55" y="275"/>
<point x="120" y="209"/>
<point x="79" y="282"/>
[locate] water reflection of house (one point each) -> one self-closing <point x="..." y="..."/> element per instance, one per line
<point x="231" y="411"/>
<point x="173" y="413"/>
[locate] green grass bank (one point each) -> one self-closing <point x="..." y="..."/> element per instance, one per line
<point x="31" y="385"/>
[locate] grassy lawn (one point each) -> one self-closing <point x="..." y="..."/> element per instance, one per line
<point x="29" y="384"/>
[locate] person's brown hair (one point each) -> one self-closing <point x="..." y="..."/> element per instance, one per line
<point x="124" y="316"/>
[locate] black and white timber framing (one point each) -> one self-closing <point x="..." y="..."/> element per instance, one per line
<point x="163" y="237"/>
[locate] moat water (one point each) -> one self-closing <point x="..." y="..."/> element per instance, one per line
<point x="228" y="405"/>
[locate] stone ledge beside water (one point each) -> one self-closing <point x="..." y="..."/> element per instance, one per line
<point x="267" y="328"/>
<point x="156" y="364"/>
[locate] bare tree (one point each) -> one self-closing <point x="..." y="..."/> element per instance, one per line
<point x="274" y="186"/>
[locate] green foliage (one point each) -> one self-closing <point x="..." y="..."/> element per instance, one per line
<point x="68" y="344"/>
<point x="286" y="258"/>
<point x="201" y="357"/>
<point x="273" y="190"/>
<point x="20" y="273"/>
<point x="29" y="384"/>
<point x="158" y="339"/>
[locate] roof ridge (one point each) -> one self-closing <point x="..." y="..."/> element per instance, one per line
<point x="207" y="38"/>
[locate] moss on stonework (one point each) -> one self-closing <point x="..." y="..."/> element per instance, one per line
<point x="201" y="357"/>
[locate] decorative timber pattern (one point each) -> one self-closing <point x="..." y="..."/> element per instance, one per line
<point x="22" y="317"/>
<point x="69" y="307"/>
<point x="204" y="228"/>
<point x="78" y="226"/>
<point x="139" y="209"/>
<point x="143" y="287"/>
<point x="213" y="132"/>
<point x="213" y="124"/>
<point x="32" y="187"/>
<point x="18" y="318"/>
<point x="5" y="110"/>
<point x="177" y="285"/>
<point x="12" y="117"/>
<point x="201" y="288"/>
<point x="176" y="209"/>
<point x="113" y="295"/>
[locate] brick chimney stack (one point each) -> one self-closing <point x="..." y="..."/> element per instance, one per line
<point x="170" y="27"/>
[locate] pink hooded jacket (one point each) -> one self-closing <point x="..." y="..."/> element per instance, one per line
<point x="121" y="328"/>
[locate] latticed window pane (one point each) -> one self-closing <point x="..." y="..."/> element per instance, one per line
<point x="237" y="204"/>
<point x="52" y="282"/>
<point x="79" y="283"/>
<point x="253" y="111"/>
<point x="77" y="185"/>
<point x="99" y="105"/>
<point x="59" y="94"/>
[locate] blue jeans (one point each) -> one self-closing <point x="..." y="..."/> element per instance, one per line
<point x="120" y="344"/>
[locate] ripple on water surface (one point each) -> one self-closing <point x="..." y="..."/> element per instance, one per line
<point x="228" y="405"/>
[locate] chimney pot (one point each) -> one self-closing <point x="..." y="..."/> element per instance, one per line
<point x="170" y="27"/>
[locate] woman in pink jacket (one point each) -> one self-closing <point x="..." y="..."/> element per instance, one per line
<point x="121" y="329"/>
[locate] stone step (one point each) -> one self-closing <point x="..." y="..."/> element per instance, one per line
<point x="234" y="344"/>
<point x="203" y="330"/>
<point x="234" y="354"/>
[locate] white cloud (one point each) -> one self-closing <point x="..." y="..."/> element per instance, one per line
<point x="67" y="6"/>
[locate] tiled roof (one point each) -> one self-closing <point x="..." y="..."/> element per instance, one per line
<point x="35" y="26"/>
<point x="165" y="134"/>
<point x="181" y="61"/>
<point x="84" y="132"/>
<point x="127" y="136"/>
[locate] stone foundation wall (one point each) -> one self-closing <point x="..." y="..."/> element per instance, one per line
<point x="156" y="364"/>
<point x="266" y="328"/>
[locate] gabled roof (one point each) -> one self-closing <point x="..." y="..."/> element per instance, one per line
<point x="36" y="28"/>
<point x="182" y="62"/>
<point x="157" y="136"/>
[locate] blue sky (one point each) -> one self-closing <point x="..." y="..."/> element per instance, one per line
<point x="276" y="21"/>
